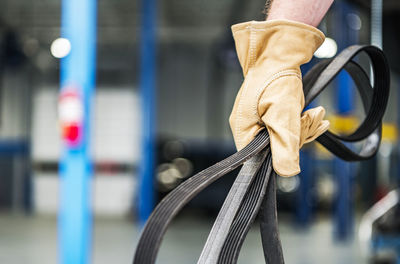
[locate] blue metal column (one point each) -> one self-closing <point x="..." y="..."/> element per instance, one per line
<point x="304" y="195"/>
<point x="343" y="171"/>
<point x="304" y="208"/>
<point x="147" y="90"/>
<point x="78" y="71"/>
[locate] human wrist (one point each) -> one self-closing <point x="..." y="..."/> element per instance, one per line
<point x="303" y="11"/>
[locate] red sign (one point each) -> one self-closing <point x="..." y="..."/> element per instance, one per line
<point x="71" y="112"/>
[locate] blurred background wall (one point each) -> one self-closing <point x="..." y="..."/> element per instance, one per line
<point x="198" y="77"/>
<point x="191" y="105"/>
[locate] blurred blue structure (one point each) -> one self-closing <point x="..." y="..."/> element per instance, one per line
<point x="77" y="70"/>
<point x="343" y="171"/>
<point x="17" y="149"/>
<point x="147" y="90"/>
<point x="304" y="207"/>
<point x="391" y="243"/>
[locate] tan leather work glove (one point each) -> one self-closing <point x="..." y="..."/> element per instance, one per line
<point x="270" y="53"/>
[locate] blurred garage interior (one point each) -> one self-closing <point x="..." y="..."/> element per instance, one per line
<point x="197" y="76"/>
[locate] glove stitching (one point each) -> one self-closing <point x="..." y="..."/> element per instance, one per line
<point x="268" y="82"/>
<point x="252" y="47"/>
<point x="240" y="112"/>
<point x="260" y="29"/>
<point x="252" y="27"/>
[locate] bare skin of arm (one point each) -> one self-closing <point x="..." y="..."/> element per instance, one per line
<point x="308" y="12"/>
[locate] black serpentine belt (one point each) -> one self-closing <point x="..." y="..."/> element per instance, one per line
<point x="254" y="192"/>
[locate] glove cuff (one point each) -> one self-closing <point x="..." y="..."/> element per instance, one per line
<point x="288" y="44"/>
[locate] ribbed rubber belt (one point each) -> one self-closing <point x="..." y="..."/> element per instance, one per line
<point x="254" y="192"/>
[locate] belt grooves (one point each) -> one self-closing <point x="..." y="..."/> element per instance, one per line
<point x="246" y="215"/>
<point x="269" y="226"/>
<point x="165" y="211"/>
<point x="231" y="207"/>
<point x="254" y="190"/>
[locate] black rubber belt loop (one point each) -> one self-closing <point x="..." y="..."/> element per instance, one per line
<point x="156" y="225"/>
<point x="247" y="213"/>
<point x="261" y="188"/>
<point x="232" y="205"/>
<point x="269" y="226"/>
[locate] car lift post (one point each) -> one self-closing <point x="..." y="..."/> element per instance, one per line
<point x="146" y="195"/>
<point x="78" y="25"/>
<point x="344" y="171"/>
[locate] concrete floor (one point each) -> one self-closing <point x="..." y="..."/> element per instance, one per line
<point x="33" y="240"/>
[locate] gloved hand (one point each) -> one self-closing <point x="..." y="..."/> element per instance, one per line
<point x="270" y="53"/>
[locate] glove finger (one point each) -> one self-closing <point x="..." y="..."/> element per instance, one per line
<point x="311" y="118"/>
<point x="280" y="108"/>
<point x="322" y="128"/>
<point x="312" y="125"/>
<point x="243" y="119"/>
<point x="285" y="152"/>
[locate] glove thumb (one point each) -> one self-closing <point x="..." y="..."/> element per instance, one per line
<point x="312" y="124"/>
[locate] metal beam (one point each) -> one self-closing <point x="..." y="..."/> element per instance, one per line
<point x="147" y="90"/>
<point x="78" y="71"/>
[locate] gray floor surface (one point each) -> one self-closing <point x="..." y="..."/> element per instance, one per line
<point x="33" y="240"/>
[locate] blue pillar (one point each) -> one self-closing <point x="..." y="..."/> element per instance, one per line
<point x="304" y="194"/>
<point x="77" y="71"/>
<point x="343" y="171"/>
<point x="147" y="90"/>
<point x="344" y="216"/>
<point x="304" y="199"/>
